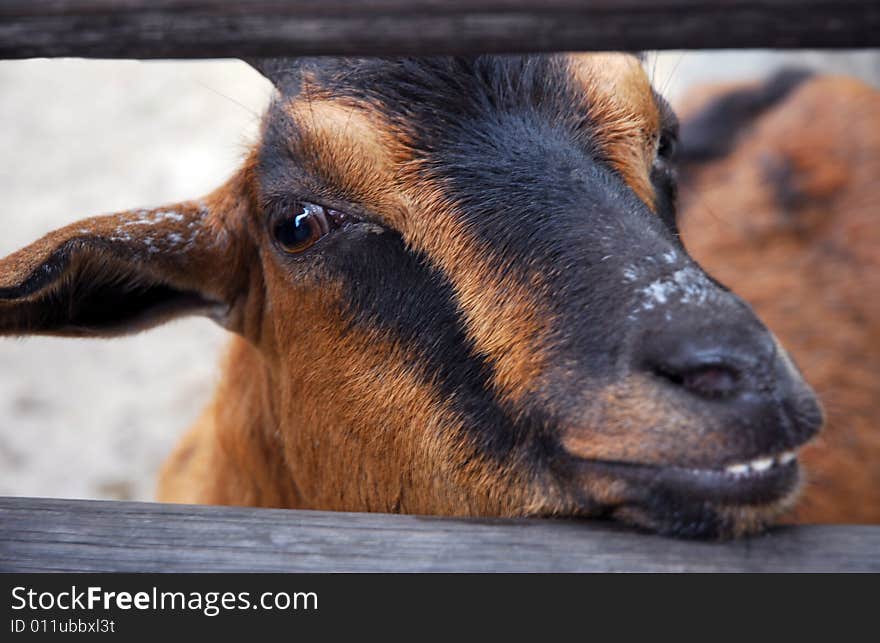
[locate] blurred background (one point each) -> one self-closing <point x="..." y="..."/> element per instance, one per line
<point x="96" y="418"/>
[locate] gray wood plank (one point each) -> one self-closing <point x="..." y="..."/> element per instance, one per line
<point x="241" y="28"/>
<point x="40" y="534"/>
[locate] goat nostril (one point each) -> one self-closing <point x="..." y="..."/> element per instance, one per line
<point x="715" y="381"/>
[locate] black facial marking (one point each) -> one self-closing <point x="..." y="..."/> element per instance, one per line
<point x="435" y="98"/>
<point x="664" y="180"/>
<point x="395" y="291"/>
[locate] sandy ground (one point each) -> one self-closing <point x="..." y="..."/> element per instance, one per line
<point x="95" y="418"/>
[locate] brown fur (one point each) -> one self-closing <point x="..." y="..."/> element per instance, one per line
<point x="354" y="148"/>
<point x="640" y="410"/>
<point x="789" y="221"/>
<point x="628" y="113"/>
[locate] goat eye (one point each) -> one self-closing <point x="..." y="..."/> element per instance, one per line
<point x="301" y="227"/>
<point x="667" y="146"/>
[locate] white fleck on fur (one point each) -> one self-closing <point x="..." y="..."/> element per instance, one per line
<point x="373" y="228"/>
<point x="631" y="273"/>
<point x="152" y="217"/>
<point x="150" y="243"/>
<point x="179" y="239"/>
<point x="688" y="285"/>
<point x="657" y="293"/>
<point x="670" y="257"/>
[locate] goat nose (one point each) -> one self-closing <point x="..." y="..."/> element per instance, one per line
<point x="709" y="380"/>
<point x="712" y="363"/>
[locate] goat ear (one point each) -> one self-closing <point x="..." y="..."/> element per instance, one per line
<point x="124" y="272"/>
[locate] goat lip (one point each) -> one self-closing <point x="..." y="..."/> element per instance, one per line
<point x="758" y="486"/>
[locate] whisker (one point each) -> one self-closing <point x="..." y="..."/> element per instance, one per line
<point x="668" y="82"/>
<point x="227" y="97"/>
<point x="704" y="204"/>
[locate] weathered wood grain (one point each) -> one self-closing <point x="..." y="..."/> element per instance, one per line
<point x="243" y="28"/>
<point x="88" y="536"/>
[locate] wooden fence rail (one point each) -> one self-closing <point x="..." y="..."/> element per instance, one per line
<point x="240" y="28"/>
<point x="88" y="536"/>
<point x="63" y="535"/>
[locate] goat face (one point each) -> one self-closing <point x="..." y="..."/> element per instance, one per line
<point x="467" y="294"/>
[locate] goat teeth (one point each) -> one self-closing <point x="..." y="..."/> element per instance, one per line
<point x="738" y="469"/>
<point x="787" y="457"/>
<point x="759" y="465"/>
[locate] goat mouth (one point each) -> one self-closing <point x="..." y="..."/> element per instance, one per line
<point x="762" y="480"/>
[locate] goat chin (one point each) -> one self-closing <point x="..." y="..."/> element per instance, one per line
<point x="705" y="521"/>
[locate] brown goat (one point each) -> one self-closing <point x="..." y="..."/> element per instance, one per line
<point x="787" y="216"/>
<point x="456" y="288"/>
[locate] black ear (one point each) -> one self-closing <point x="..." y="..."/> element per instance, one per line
<point x="121" y="273"/>
<point x="713" y="132"/>
<point x="283" y="72"/>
